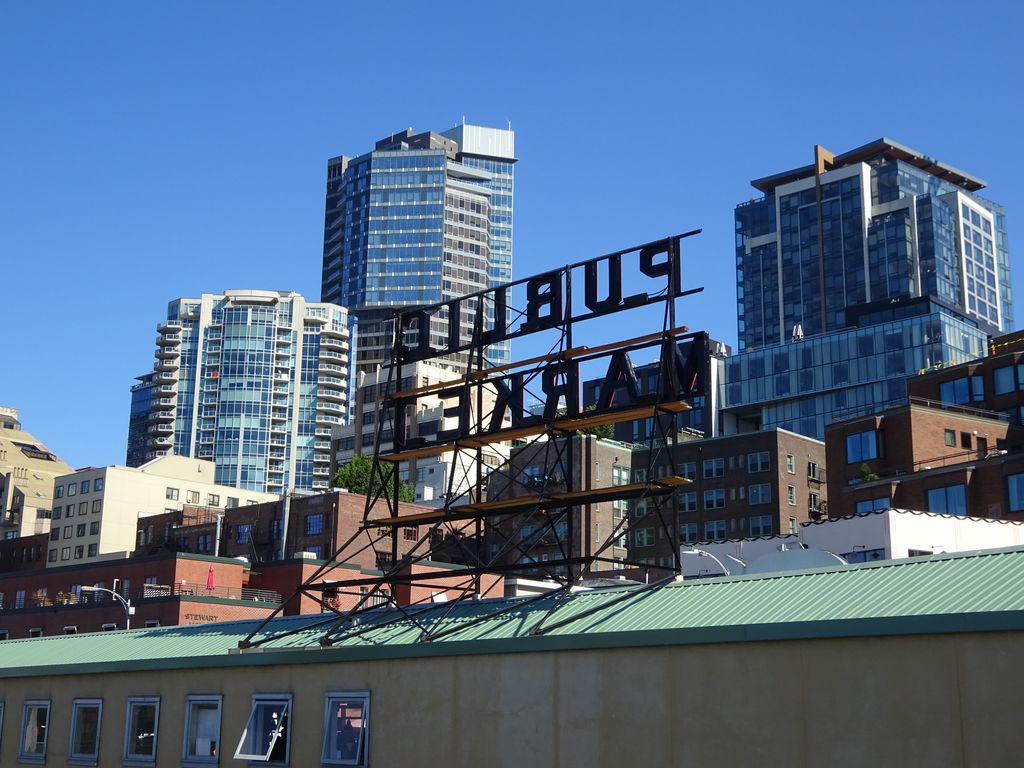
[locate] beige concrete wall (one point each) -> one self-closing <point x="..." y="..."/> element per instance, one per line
<point x="949" y="700"/>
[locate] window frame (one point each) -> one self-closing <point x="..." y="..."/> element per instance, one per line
<point x="33" y="757"/>
<point x="188" y="759"/>
<point x="363" y="746"/>
<point x="132" y="758"/>
<point x="266" y="698"/>
<point x="84" y="758"/>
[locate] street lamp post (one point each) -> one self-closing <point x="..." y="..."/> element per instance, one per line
<point x="705" y="553"/>
<point x="126" y="604"/>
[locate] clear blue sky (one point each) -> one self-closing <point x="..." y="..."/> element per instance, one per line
<point x="156" y="150"/>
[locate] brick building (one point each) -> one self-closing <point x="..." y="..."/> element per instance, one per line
<point x="932" y="457"/>
<point x="164" y="590"/>
<point x="754" y="484"/>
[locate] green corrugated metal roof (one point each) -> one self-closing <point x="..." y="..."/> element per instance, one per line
<point x="961" y="592"/>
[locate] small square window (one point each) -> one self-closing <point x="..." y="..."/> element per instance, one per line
<point x="202" y="730"/>
<point x="172" y="494"/>
<point x="192" y="497"/>
<point x="35" y="718"/>
<point x="950" y="437"/>
<point x="346" y="726"/>
<point x="140" y="729"/>
<point x="84" y="742"/>
<point x="266" y="734"/>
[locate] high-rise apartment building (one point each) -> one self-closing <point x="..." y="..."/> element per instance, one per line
<point x="853" y="274"/>
<point x="420" y="219"/>
<point x="253" y="380"/>
<point x="878" y="222"/>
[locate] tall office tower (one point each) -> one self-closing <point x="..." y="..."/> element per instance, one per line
<point x="253" y="380"/>
<point x="853" y="274"/>
<point x="877" y="222"/>
<point x="421" y="219"/>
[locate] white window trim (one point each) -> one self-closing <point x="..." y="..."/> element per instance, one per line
<point x="127" y="756"/>
<point x="186" y="758"/>
<point x="361" y="758"/>
<point x="33" y="757"/>
<point x="85" y="758"/>
<point x="257" y="699"/>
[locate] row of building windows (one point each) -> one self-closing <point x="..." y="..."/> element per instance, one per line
<point x="83" y="508"/>
<point x="75" y="488"/>
<point x="266" y="736"/>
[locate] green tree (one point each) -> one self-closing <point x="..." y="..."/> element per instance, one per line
<point x="601" y="430"/>
<point x="355" y="475"/>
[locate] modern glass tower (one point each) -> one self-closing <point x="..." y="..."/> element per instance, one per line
<point x="853" y="274"/>
<point x="253" y="380"/>
<point x="422" y="218"/>
<point x="878" y="222"/>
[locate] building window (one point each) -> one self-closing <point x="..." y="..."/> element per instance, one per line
<point x="35" y="719"/>
<point x="191" y="497"/>
<point x="967" y="389"/>
<point x="232" y="502"/>
<point x="792" y="524"/>
<point x="202" y="729"/>
<point x="714" y="530"/>
<point x="242" y="533"/>
<point x="65" y="553"/>
<point x="949" y="500"/>
<point x="80" y="530"/>
<point x="761" y="525"/>
<point x="83" y="508"/>
<point x="863" y="446"/>
<point x="714" y="499"/>
<point x="758" y="462"/>
<point x="687" y="532"/>
<point x="79" y="551"/>
<point x="204" y="543"/>
<point x="643" y="537"/>
<point x="85" y="486"/>
<point x="791" y="495"/>
<point x="688" y="469"/>
<point x="172" y="494"/>
<point x="346" y="727"/>
<point x="813" y="472"/>
<point x="791" y="463"/>
<point x="35" y="632"/>
<point x="714" y="468"/>
<point x="97" y="484"/>
<point x="140" y="728"/>
<point x="94" y="528"/>
<point x="265" y="736"/>
<point x="58" y="492"/>
<point x="620" y="475"/>
<point x="950" y="437"/>
<point x="86" y="715"/>
<point x="51" y="556"/>
<point x="213" y="499"/>
<point x="315" y="524"/>
<point x="56" y="513"/>
<point x="72" y="489"/>
<point x="97" y="506"/>
<point x="760" y="494"/>
<point x="1015" y="484"/>
<point x="111" y="627"/>
<point x="93" y="550"/>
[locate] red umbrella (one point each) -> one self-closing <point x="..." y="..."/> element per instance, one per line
<point x="210" y="582"/>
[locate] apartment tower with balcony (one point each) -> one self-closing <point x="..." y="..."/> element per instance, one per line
<point x="252" y="380"/>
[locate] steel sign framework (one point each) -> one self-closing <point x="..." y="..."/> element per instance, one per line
<point x="532" y="401"/>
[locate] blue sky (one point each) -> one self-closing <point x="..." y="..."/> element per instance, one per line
<point x="156" y="150"/>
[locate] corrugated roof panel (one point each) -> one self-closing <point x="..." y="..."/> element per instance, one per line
<point x="981" y="583"/>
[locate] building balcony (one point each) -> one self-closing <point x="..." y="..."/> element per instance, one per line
<point x="321" y="472"/>
<point x="322" y="458"/>
<point x="162" y="442"/>
<point x="279" y="428"/>
<point x="168" y="339"/>
<point x="326" y="418"/>
<point x="167" y="364"/>
<point x="323" y="432"/>
<point x="321" y="485"/>
<point x="161" y="429"/>
<point x="332" y="343"/>
<point x="165" y="353"/>
<point x="166" y="389"/>
<point x="322" y="444"/>
<point x="166" y="376"/>
<point x="163" y="415"/>
<point x="333" y="395"/>
<point x="328" y="407"/>
<point x="170" y="326"/>
<point x="333" y="333"/>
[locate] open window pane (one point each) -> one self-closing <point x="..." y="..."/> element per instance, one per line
<point x="265" y="736"/>
<point x="34" y="722"/>
<point x="140" y="729"/>
<point x="85" y="729"/>
<point x="202" y="729"/>
<point x="346" y="725"/>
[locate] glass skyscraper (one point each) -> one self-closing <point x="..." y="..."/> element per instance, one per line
<point x="254" y="380"/>
<point x="853" y="274"/>
<point x="879" y="222"/>
<point x="421" y="219"/>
